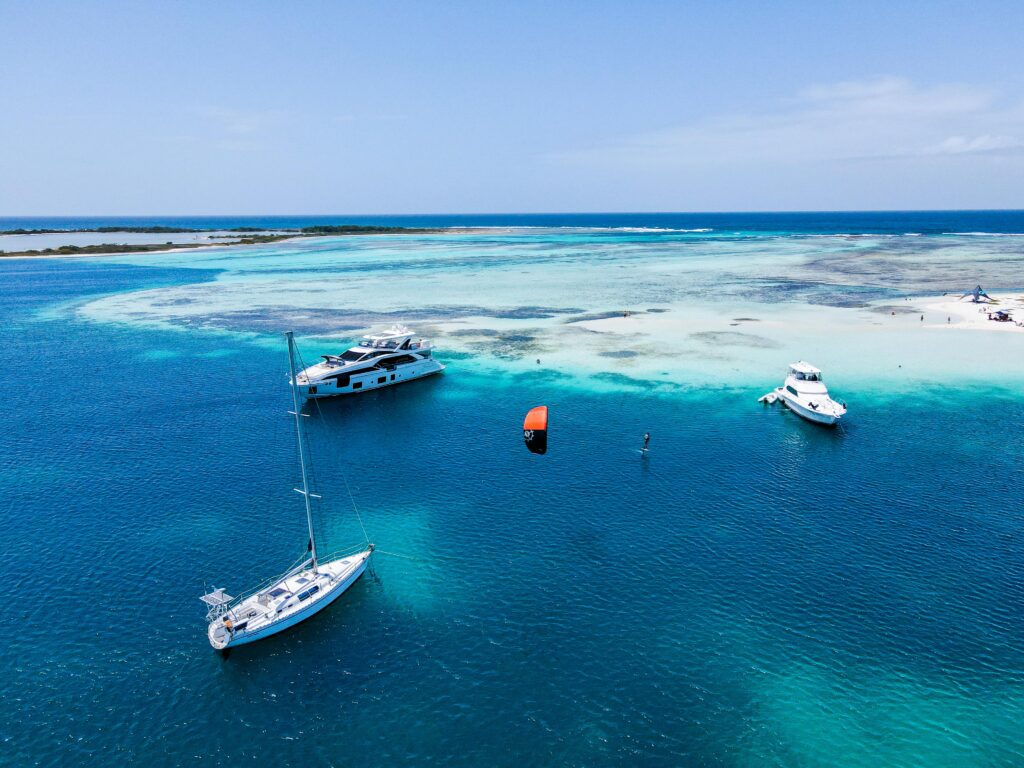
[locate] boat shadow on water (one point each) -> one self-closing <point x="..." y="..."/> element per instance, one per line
<point x="810" y="432"/>
<point x="406" y="400"/>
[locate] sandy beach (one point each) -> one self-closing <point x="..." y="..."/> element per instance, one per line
<point x="927" y="312"/>
<point x="621" y="310"/>
<point x="965" y="313"/>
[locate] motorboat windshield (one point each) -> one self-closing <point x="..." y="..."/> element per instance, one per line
<point x="802" y="371"/>
<point x="807" y="376"/>
<point x="372" y="343"/>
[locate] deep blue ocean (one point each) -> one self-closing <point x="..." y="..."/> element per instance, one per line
<point x="757" y="591"/>
<point x="854" y="222"/>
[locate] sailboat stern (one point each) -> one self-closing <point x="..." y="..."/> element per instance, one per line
<point x="218" y="634"/>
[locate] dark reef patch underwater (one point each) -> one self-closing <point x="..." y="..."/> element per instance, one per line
<point x="755" y="591"/>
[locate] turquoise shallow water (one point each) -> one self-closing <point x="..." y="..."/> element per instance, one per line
<point x="758" y="591"/>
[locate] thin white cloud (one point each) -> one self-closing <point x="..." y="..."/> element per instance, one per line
<point x="881" y="118"/>
<point x="892" y="96"/>
<point x="962" y="145"/>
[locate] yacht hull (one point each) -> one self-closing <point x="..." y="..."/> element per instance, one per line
<point x="364" y="382"/>
<point x="221" y="639"/>
<point x="826" y="419"/>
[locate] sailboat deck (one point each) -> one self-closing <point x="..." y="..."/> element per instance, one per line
<point x="285" y="601"/>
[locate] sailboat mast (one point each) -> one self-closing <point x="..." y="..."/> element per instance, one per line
<point x="302" y="444"/>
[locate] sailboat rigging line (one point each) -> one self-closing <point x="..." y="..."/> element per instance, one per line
<point x="395" y="554"/>
<point x="314" y="481"/>
<point x="311" y="472"/>
<point x="356" y="509"/>
<point x="310" y="463"/>
<point x="299" y="434"/>
<point x="344" y="477"/>
<point x="433" y="556"/>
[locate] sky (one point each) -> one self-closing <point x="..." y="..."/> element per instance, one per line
<point x="303" y="107"/>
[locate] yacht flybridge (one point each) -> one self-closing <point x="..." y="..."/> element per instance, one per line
<point x="805" y="393"/>
<point x="305" y="589"/>
<point x="379" y="360"/>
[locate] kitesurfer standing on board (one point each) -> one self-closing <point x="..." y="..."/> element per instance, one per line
<point x="647" y="439"/>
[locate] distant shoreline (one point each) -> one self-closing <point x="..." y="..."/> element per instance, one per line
<point x="42" y="237"/>
<point x="246" y="236"/>
<point x="323" y="229"/>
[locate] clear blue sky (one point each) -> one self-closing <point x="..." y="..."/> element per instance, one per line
<point x="317" y="107"/>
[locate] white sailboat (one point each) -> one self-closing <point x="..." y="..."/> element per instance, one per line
<point x="305" y="589"/>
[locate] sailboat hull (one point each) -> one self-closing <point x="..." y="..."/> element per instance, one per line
<point x="345" y="572"/>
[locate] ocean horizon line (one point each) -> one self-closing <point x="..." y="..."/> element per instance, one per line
<point x="721" y="212"/>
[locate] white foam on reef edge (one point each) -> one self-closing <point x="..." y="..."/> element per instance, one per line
<point x="986" y="234"/>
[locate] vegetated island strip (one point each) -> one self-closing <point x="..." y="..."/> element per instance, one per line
<point x="280" y="234"/>
<point x="134" y="230"/>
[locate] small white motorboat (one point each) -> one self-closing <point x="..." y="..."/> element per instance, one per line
<point x="805" y="393"/>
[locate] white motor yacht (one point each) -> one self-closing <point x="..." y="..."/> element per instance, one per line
<point x="379" y="360"/>
<point x="805" y="393"/>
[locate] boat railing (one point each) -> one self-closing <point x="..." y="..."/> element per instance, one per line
<point x="828" y="405"/>
<point x="334" y="555"/>
<point x="267" y="583"/>
<point x="302" y="564"/>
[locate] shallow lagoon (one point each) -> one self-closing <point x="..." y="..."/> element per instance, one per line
<point x="758" y="591"/>
<point x="705" y="308"/>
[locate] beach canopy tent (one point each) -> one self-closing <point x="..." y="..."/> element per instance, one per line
<point x="977" y="293"/>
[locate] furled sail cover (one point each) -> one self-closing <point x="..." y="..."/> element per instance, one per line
<point x="535" y="429"/>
